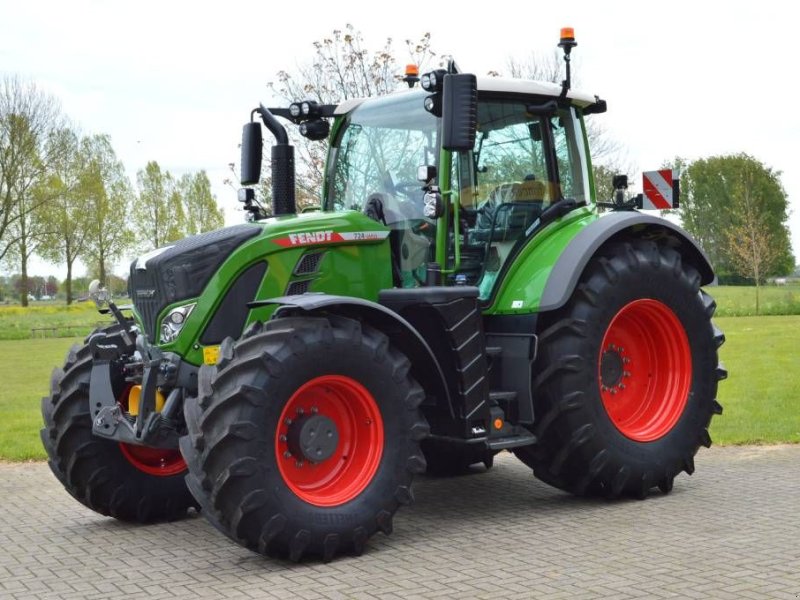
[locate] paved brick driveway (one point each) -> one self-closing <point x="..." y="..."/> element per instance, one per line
<point x="730" y="531"/>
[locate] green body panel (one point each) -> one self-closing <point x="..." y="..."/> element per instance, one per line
<point x="522" y="287"/>
<point x="360" y="269"/>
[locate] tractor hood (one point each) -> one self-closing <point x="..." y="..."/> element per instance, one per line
<point x="223" y="270"/>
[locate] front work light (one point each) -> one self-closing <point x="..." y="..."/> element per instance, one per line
<point x="433" y="81"/>
<point x="174" y="321"/>
<point x="315" y="130"/>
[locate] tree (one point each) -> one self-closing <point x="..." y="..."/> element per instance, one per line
<point x="200" y="207"/>
<point x="341" y="69"/>
<point x="28" y="117"/>
<point x="74" y="177"/>
<point x="151" y="212"/>
<point x="108" y="201"/>
<point x="752" y="246"/>
<point x="51" y="286"/>
<point x="734" y="202"/>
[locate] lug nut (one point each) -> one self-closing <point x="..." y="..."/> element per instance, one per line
<point x="299" y="411"/>
<point x="298" y="464"/>
<point x="287" y="421"/>
<point x="282" y="438"/>
<point x="314" y="410"/>
<point x="287" y="454"/>
<point x="626" y="373"/>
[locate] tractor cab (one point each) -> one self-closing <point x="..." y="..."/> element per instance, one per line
<point x="465" y="211"/>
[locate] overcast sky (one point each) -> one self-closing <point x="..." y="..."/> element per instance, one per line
<point x="173" y="81"/>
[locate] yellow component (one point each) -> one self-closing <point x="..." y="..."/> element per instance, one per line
<point x="133" y="400"/>
<point x="412" y="70"/>
<point x="210" y="354"/>
<point x="498" y="423"/>
<point x="567" y="33"/>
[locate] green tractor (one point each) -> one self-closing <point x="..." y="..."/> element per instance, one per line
<point x="458" y="294"/>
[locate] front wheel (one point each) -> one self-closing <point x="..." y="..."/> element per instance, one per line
<point x="305" y="437"/>
<point x="125" y="481"/>
<point x="626" y="377"/>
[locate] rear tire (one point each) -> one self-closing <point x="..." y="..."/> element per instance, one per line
<point x="128" y="483"/>
<point x="627" y="376"/>
<point x="248" y="466"/>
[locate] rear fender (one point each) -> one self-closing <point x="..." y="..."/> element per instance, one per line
<point x="611" y="228"/>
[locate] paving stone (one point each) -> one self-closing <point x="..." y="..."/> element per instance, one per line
<point x="730" y="531"/>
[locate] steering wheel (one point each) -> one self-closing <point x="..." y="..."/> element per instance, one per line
<point x="407" y="188"/>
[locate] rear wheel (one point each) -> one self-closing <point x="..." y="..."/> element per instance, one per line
<point x="130" y="483"/>
<point x="627" y="376"/>
<point x="305" y="437"/>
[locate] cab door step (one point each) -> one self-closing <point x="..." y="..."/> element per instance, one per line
<point x="524" y="438"/>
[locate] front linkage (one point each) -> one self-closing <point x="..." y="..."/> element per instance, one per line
<point x="125" y="354"/>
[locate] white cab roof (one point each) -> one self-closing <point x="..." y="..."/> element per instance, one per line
<point x="505" y="85"/>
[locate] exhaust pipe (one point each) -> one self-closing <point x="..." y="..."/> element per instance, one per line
<point x="283" y="174"/>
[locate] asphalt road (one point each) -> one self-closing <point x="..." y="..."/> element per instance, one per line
<point x="730" y="531"/>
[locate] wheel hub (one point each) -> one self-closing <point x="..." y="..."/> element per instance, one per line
<point x="329" y="440"/>
<point x="313" y="438"/>
<point x="611" y="367"/>
<point x="644" y="370"/>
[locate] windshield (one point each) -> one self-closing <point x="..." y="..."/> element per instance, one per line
<point x="383" y="143"/>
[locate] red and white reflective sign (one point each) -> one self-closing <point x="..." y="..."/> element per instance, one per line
<point x="660" y="189"/>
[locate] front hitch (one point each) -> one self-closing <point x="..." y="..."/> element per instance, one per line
<point x="113" y="353"/>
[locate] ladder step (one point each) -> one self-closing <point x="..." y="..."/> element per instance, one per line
<point x="498" y="396"/>
<point x="512" y="441"/>
<point x="492" y="351"/>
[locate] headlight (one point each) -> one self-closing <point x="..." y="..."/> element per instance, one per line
<point x="173" y="323"/>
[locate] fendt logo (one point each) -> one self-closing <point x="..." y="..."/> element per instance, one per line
<point x="313" y="237"/>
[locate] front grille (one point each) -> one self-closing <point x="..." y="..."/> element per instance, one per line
<point x="182" y="271"/>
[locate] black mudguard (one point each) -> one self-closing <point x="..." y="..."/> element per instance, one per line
<point x="425" y="367"/>
<point x="615" y="227"/>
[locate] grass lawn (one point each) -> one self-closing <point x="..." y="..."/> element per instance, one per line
<point x="740" y="301"/>
<point x="64" y="321"/>
<point x="25" y="368"/>
<point x="761" y="397"/>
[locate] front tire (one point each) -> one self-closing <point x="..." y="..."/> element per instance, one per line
<point x="627" y="376"/>
<point x="305" y="437"/>
<point x="130" y="483"/>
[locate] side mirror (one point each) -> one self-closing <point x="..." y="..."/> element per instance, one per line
<point x="459" y="112"/>
<point x="99" y="295"/>
<point x="252" y="147"/>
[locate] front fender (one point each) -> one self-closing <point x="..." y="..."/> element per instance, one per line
<point x="424" y="366"/>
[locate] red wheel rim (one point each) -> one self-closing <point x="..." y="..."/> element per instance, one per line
<point x="352" y="410"/>
<point x="153" y="461"/>
<point x="645" y="370"/>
